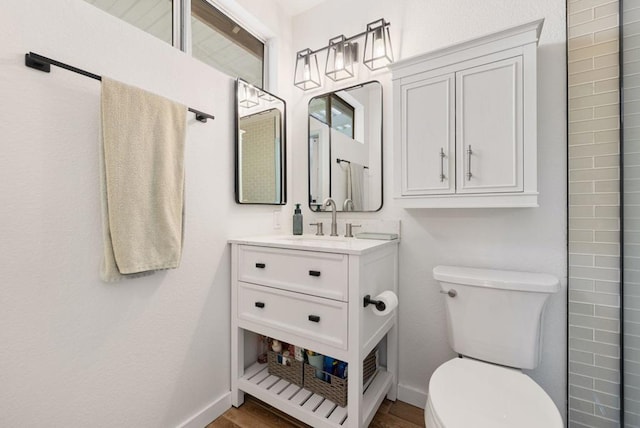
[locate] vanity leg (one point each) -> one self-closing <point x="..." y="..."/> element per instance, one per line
<point x="354" y="395"/>
<point x="392" y="358"/>
<point x="237" y="365"/>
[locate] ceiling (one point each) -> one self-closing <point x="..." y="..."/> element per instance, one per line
<point x="294" y="7"/>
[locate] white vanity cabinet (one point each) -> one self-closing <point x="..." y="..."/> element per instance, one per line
<point x="465" y="123"/>
<point x="310" y="292"/>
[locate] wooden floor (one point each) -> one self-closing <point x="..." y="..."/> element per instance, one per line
<point x="256" y="414"/>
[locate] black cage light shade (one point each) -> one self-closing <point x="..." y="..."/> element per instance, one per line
<point x="377" y="45"/>
<point x="307" y="74"/>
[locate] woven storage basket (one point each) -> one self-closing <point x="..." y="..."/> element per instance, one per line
<point x="292" y="372"/>
<point x="336" y="388"/>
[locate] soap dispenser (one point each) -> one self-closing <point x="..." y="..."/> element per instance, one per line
<point x="297" y="220"/>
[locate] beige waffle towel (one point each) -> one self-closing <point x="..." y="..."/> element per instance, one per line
<point x="143" y="138"/>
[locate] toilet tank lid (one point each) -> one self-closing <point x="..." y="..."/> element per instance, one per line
<point x="493" y="278"/>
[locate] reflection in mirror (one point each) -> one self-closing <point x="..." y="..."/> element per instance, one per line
<point x="260" y="146"/>
<point x="345" y="148"/>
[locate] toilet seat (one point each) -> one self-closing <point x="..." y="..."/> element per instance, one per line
<point x="468" y="393"/>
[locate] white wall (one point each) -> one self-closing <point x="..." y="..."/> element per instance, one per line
<point x="521" y="239"/>
<point x="76" y="352"/>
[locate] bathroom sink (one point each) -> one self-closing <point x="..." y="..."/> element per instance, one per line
<point x="314" y="243"/>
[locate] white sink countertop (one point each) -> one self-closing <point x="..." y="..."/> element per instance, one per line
<point x="332" y="244"/>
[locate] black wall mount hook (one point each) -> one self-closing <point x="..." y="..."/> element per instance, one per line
<point x="380" y="305"/>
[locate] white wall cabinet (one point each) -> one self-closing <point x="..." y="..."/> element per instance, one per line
<point x="310" y="292"/>
<point x="465" y="123"/>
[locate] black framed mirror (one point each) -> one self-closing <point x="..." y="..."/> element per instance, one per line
<point x="260" y="124"/>
<point x="345" y="148"/>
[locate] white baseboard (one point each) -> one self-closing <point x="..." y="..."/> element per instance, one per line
<point x="411" y="395"/>
<point x="209" y="413"/>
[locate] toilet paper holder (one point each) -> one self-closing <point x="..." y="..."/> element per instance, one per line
<point x="378" y="303"/>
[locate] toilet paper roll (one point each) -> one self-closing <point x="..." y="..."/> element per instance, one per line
<point x="390" y="300"/>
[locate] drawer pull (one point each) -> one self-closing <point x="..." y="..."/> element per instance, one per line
<point x="314" y="272"/>
<point x="260" y="265"/>
<point x="259" y="304"/>
<point x="314" y="318"/>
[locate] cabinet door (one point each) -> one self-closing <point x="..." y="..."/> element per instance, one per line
<point x="489" y="139"/>
<point x="428" y="126"/>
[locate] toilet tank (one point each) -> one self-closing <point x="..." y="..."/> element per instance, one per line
<point x="496" y="315"/>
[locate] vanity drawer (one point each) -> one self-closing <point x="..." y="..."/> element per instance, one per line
<point x="310" y="272"/>
<point x="313" y="318"/>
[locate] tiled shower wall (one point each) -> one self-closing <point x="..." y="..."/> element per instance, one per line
<point x="594" y="220"/>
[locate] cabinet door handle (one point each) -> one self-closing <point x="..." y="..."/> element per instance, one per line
<point x="442" y="155"/>
<point x="261" y="265"/>
<point x="259" y="304"/>
<point x="314" y="272"/>
<point x="469" y="153"/>
<point x="314" y="318"/>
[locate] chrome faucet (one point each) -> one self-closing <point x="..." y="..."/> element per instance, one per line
<point x="346" y="203"/>
<point x="334" y="223"/>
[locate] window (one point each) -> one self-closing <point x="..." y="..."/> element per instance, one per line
<point x="335" y="112"/>
<point x="215" y="38"/>
<point x="220" y="42"/>
<point x="153" y="16"/>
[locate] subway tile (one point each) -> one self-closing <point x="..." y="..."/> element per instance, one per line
<point x="598" y="397"/>
<point x="595" y="298"/>
<point x="594" y="125"/>
<point x="594" y="224"/>
<point x="608" y="136"/>
<point x="606" y="35"/>
<point x="611" y="312"/>
<point x="601" y="274"/>
<point x="608" y="60"/>
<point x="582" y="259"/>
<point x="608" y="161"/>
<point x="594" y="174"/>
<point x="581" y="17"/>
<point x="583" y="381"/>
<point x="607" y="337"/>
<point x="576" y="6"/>
<point x="581" y="309"/>
<point x="581" y="236"/>
<point x="608" y="412"/>
<point x="607" y="362"/>
<point x="607" y="236"/>
<point x="581" y="284"/>
<point x="581" y="163"/>
<point x="581" y="212"/>
<point x="580" y="42"/>
<point x="612" y="388"/>
<point x="593" y="26"/>
<point x="609" y="87"/>
<point x="581" y="138"/>
<point x="610" y="110"/>
<point x="593" y="75"/>
<point x="587" y="113"/>
<point x="609" y="287"/>
<point x="607" y="261"/>
<point x="603" y="324"/>
<point x="606" y="9"/>
<point x="581" y="332"/>
<point x="580" y="91"/>
<point x="581" y="405"/>
<point x="600" y="149"/>
<point x="595" y="248"/>
<point x="581" y="357"/>
<point x="591" y="420"/>
<point x="630" y="315"/>
<point x="580" y="66"/>
<point x="595" y="51"/>
<point x="595" y="199"/>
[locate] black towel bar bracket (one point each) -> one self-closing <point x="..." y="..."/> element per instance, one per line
<point x="42" y="63"/>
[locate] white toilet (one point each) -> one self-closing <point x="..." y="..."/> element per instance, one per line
<point x="494" y="320"/>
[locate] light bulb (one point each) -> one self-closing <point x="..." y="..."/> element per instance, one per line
<point x="378" y="44"/>
<point x="339" y="60"/>
<point x="306" y="73"/>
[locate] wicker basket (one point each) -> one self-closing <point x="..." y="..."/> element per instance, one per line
<point x="335" y="389"/>
<point x="291" y="372"/>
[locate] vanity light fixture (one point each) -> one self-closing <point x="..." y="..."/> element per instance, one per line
<point x="307" y="74"/>
<point x="342" y="54"/>
<point x="377" y="45"/>
<point x="247" y="95"/>
<point x="340" y="58"/>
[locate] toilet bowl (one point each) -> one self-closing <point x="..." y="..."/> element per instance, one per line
<point x="467" y="393"/>
<point x="494" y="321"/>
